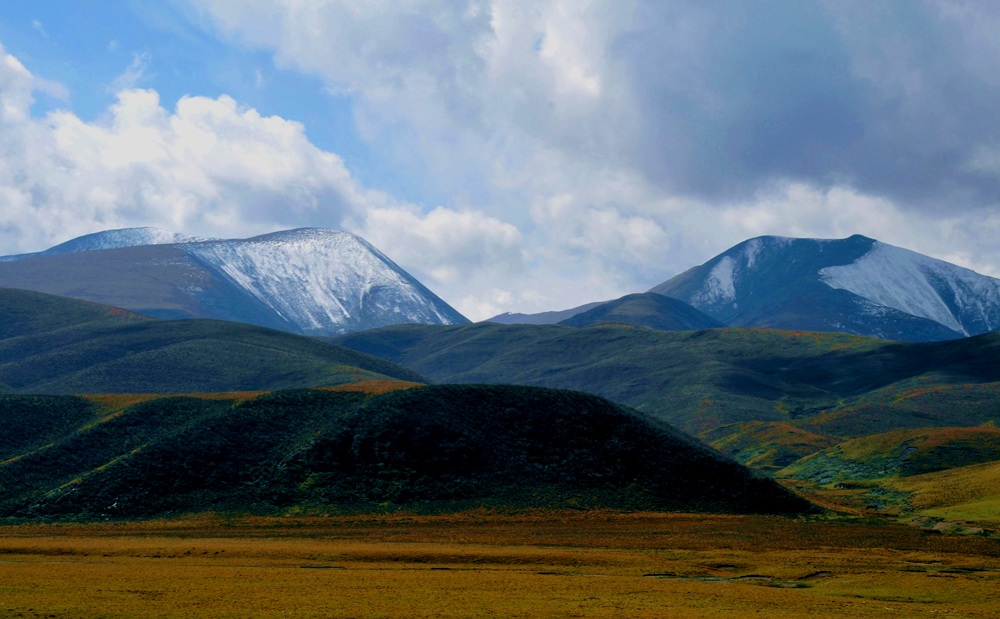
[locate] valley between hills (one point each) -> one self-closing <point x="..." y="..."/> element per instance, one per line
<point x="684" y="450"/>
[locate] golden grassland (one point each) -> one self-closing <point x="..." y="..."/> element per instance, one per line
<point x="970" y="493"/>
<point x="543" y="564"/>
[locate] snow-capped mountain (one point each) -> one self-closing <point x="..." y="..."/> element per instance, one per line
<point x="112" y="239"/>
<point x="312" y="281"/>
<point x="855" y="285"/>
<point x="322" y="279"/>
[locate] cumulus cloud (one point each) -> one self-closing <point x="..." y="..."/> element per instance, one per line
<point x="211" y="166"/>
<point x="208" y="165"/>
<point x="568" y="150"/>
<point x="446" y="243"/>
<point x="631" y="140"/>
<point x="710" y="101"/>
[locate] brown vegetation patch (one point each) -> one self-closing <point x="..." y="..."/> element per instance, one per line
<point x="375" y="386"/>
<point x="543" y="564"/>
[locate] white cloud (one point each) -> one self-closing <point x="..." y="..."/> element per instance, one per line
<point x="133" y="73"/>
<point x="213" y="167"/>
<point x="207" y="166"/>
<point x="630" y="140"/>
<point x="572" y="150"/>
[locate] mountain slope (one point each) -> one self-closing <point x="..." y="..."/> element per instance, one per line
<point x="901" y="453"/>
<point x="832" y="384"/>
<point x="307" y="281"/>
<point x="55" y="345"/>
<point x="968" y="493"/>
<point x="645" y="310"/>
<point x="427" y="449"/>
<point x="541" y="318"/>
<point x="111" y="239"/>
<point x="854" y="285"/>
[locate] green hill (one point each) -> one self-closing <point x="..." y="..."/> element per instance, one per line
<point x="428" y="449"/>
<point x="645" y="310"/>
<point x="900" y="453"/>
<point x="763" y="445"/>
<point x="27" y="313"/>
<point x="832" y="384"/>
<point x="55" y="345"/>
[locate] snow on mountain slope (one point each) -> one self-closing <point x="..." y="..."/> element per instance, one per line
<point x="719" y="286"/>
<point x="112" y="239"/>
<point x="856" y="285"/>
<point x="324" y="281"/>
<point x="958" y="298"/>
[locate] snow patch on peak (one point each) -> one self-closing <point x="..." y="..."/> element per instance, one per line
<point x="112" y="239"/>
<point x="323" y="281"/>
<point x="921" y="286"/>
<point x="752" y="250"/>
<point x="720" y="286"/>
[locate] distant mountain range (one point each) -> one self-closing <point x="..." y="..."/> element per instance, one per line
<point x="326" y="282"/>
<point x="310" y="281"/>
<point x="855" y="285"/>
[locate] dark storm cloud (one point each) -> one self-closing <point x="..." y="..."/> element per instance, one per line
<point x="893" y="98"/>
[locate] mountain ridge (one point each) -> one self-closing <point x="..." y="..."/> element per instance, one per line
<point x="647" y="309"/>
<point x="854" y="285"/>
<point x="57" y="345"/>
<point x="312" y="281"/>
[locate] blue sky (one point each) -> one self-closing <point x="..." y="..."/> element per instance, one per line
<point x="89" y="45"/>
<point x="513" y="154"/>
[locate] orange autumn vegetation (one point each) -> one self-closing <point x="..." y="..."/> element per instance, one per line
<point x="375" y="386"/>
<point x="537" y="564"/>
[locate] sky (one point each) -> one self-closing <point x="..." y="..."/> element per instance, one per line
<point x="514" y="155"/>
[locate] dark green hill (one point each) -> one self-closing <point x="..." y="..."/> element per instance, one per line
<point x="429" y="449"/>
<point x="26" y="313"/>
<point x="646" y="310"/>
<point x="59" y="346"/>
<point x="833" y="384"/>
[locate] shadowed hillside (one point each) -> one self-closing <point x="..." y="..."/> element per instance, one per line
<point x="833" y="384"/>
<point x="54" y="345"/>
<point x="428" y="448"/>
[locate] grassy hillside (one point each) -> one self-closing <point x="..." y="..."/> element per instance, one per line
<point x="427" y="448"/>
<point x="969" y="493"/>
<point x="62" y="346"/>
<point x="899" y="453"/>
<point x="767" y="446"/>
<point x="645" y="310"/>
<point x="835" y="385"/>
<point x="26" y="313"/>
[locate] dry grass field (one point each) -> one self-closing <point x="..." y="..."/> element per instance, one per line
<point x="581" y="564"/>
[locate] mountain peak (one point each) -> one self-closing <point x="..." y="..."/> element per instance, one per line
<point x="315" y="281"/>
<point x="856" y="285"/>
<point x="112" y="239"/>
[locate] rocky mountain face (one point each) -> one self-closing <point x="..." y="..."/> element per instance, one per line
<point x="854" y="285"/>
<point x="311" y="281"/>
